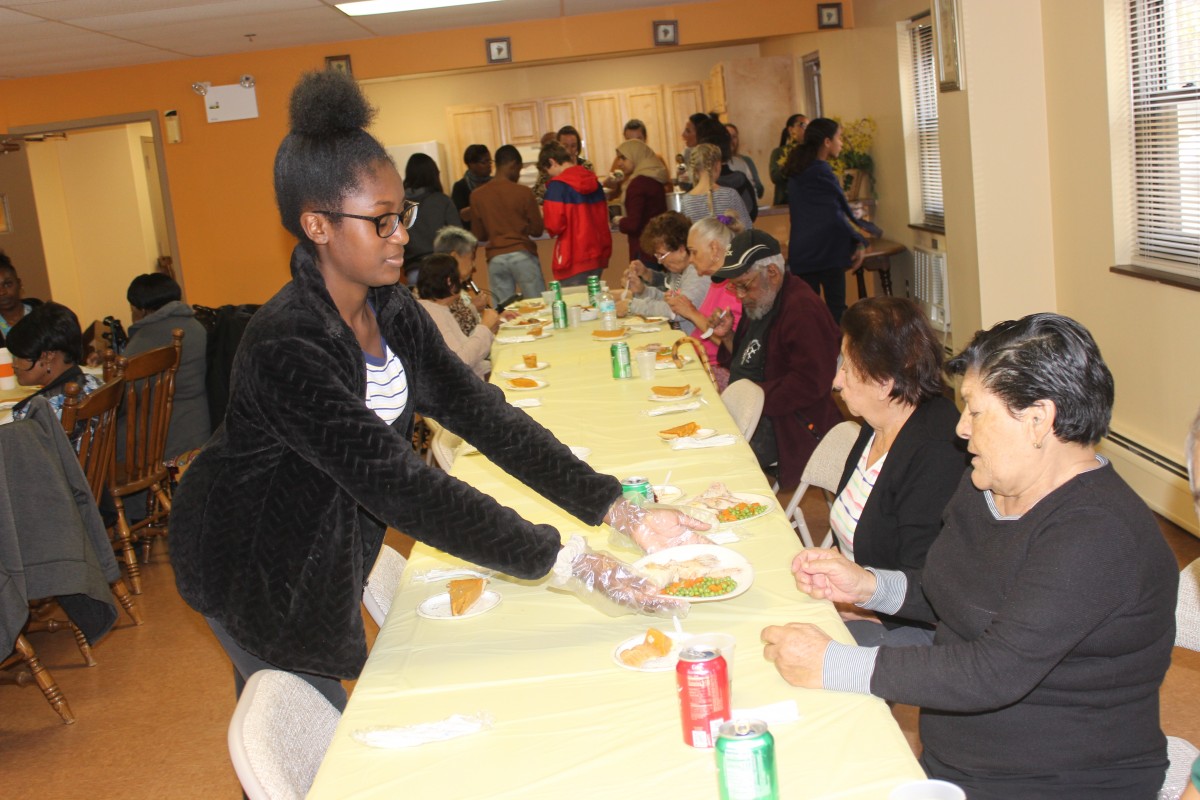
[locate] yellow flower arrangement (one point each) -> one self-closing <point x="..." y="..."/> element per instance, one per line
<point x="857" y="138"/>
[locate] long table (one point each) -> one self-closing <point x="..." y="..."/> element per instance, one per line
<point x="569" y="722"/>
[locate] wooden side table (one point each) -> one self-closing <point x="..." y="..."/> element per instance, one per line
<point x="878" y="258"/>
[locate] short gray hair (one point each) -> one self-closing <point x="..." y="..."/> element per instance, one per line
<point x="712" y="228"/>
<point x="453" y="239"/>
<point x="762" y="264"/>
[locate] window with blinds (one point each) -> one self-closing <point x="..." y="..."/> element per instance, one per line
<point x="1165" y="93"/>
<point x="929" y="155"/>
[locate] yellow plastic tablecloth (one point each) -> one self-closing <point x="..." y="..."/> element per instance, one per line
<point x="569" y="722"/>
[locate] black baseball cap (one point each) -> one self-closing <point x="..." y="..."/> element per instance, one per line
<point x="747" y="248"/>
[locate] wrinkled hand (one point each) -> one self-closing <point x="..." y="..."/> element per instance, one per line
<point x="509" y="316"/>
<point x="856" y="262"/>
<point x="721" y="327"/>
<point x="829" y="575"/>
<point x="798" y="652"/>
<point x="680" y="304"/>
<point x="622" y="307"/>
<point x="480" y="301"/>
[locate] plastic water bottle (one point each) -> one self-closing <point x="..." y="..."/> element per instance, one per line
<point x="608" y="311"/>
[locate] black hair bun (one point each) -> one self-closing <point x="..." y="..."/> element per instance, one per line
<point x="327" y="103"/>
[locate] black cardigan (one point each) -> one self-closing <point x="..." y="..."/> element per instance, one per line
<point x="279" y="519"/>
<point x="903" y="513"/>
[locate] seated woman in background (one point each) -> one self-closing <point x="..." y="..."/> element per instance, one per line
<point x="157" y="309"/>
<point x="707" y="242"/>
<point x="666" y="238"/>
<point x="907" y="460"/>
<point x="12" y="305"/>
<point x="1051" y="586"/>
<point x="47" y="349"/>
<point x="460" y="243"/>
<point x="423" y="186"/>
<point x="440" y="287"/>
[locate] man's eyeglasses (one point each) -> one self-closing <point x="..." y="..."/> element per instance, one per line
<point x="385" y="224"/>
<point x="743" y="286"/>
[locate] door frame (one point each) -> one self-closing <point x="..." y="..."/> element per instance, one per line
<point x="159" y="155"/>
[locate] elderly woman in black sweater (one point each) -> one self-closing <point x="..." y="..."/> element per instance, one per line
<point x="1052" y="590"/>
<point x="279" y="519"/>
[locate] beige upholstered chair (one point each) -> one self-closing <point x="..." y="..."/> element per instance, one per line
<point x="278" y="735"/>
<point x="744" y="400"/>
<point x="824" y="471"/>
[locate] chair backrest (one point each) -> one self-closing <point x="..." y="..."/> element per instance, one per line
<point x="149" y="400"/>
<point x="824" y="470"/>
<point x="444" y="446"/>
<point x="95" y="417"/>
<point x="1187" y="608"/>
<point x="744" y="398"/>
<point x="382" y="583"/>
<point x="278" y="735"/>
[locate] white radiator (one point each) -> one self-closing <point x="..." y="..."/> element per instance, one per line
<point x="931" y="289"/>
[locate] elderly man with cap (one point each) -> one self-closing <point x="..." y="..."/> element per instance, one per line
<point x="787" y="343"/>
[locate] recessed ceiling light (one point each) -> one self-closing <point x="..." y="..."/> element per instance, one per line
<point x="366" y="7"/>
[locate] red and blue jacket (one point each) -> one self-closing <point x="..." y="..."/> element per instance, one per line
<point x="576" y="213"/>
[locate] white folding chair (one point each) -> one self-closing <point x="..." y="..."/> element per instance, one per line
<point x="278" y="735"/>
<point x="444" y="446"/>
<point x="824" y="470"/>
<point x="744" y="399"/>
<point x="382" y="582"/>
<point x="1180" y="752"/>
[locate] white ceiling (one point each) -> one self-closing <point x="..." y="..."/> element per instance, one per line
<point x="47" y="37"/>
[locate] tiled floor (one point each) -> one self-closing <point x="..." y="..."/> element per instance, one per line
<point x="152" y="716"/>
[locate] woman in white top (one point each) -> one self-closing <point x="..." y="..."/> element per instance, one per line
<point x="907" y="461"/>
<point x="440" y="287"/>
<point x="706" y="198"/>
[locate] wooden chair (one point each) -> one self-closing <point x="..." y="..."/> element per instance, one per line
<point x="96" y="416"/>
<point x="149" y="391"/>
<point x="32" y="670"/>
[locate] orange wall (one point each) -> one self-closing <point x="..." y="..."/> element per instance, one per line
<point x="232" y="248"/>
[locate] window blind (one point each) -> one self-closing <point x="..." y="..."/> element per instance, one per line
<point x="1165" y="92"/>
<point x="929" y="156"/>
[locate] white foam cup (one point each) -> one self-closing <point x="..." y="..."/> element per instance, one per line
<point x="8" y="379"/>
<point x="927" y="790"/>
<point x="645" y="363"/>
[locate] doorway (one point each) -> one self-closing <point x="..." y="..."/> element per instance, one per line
<point x="102" y="206"/>
<point x="810" y="79"/>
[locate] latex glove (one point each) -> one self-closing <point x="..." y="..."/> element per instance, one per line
<point x="611" y="586"/>
<point x="654" y="529"/>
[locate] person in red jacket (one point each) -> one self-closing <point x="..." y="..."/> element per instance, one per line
<point x="576" y="213"/>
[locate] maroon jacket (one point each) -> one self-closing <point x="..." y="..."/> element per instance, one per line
<point x="645" y="199"/>
<point x="802" y="350"/>
<point x="577" y="213"/>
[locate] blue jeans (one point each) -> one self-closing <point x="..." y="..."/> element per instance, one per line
<point x="581" y="279"/>
<point x="509" y="271"/>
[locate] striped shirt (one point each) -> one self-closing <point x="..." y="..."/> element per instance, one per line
<point x="847" y="508"/>
<point x="387" y="385"/>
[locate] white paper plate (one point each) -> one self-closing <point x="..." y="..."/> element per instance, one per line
<point x="667" y="493"/>
<point x="745" y="497"/>
<point x="522" y="324"/>
<point x="540" y="384"/>
<point x="671" y="364"/>
<point x="582" y="453"/>
<point x="438" y="606"/>
<point x="701" y="433"/>
<point x="659" y="398"/>
<point x="743" y="572"/>
<point x="653" y="320"/>
<point x="661" y="664"/>
<point x="624" y="335"/>
<point x="522" y="368"/>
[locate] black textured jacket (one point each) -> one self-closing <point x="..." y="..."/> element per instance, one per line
<point x="279" y="519"/>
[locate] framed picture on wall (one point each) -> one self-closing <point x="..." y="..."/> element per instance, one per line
<point x="948" y="45"/>
<point x="829" y="15"/>
<point x="339" y="64"/>
<point x="666" y="32"/>
<point x="499" y="50"/>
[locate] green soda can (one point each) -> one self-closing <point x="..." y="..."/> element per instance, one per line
<point x="556" y="287"/>
<point x="746" y="761"/>
<point x="637" y="490"/>
<point x="560" y="314"/>
<point x="621" y="365"/>
<point x="593" y="291"/>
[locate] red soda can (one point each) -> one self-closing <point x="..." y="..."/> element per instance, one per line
<point x="702" y="680"/>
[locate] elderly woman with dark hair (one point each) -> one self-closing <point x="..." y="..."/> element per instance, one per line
<point x="1051" y="586"/>
<point x="47" y="349"/>
<point x="440" y="287"/>
<point x="907" y="461"/>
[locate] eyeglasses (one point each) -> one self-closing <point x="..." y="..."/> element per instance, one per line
<point x="743" y="286"/>
<point x="385" y="224"/>
<point x="660" y="256"/>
